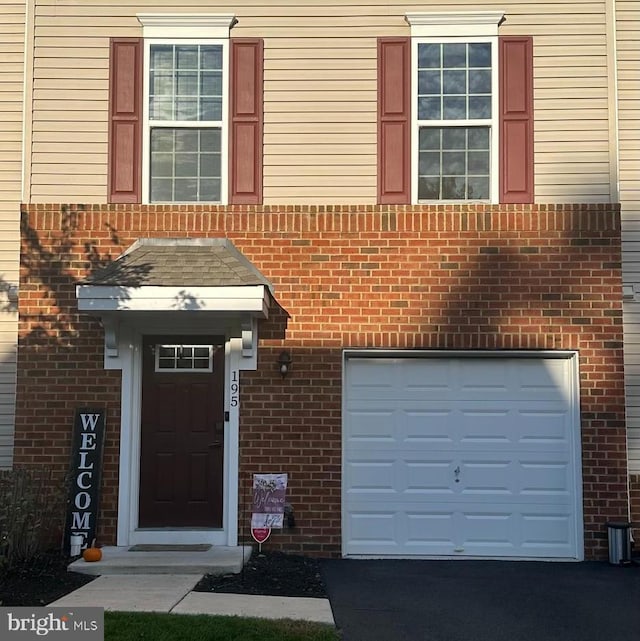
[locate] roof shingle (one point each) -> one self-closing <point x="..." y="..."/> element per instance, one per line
<point x="178" y="262"/>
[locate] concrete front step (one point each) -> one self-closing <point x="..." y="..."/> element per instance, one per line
<point x="119" y="560"/>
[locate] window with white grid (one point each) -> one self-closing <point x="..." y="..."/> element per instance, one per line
<point x="454" y="105"/>
<point x="455" y="113"/>
<point x="184" y="358"/>
<point x="186" y="115"/>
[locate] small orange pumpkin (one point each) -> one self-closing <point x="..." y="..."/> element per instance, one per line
<point x="92" y="554"/>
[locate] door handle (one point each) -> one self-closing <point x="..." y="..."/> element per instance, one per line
<point x="215" y="444"/>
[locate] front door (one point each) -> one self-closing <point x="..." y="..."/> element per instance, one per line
<point x="182" y="432"/>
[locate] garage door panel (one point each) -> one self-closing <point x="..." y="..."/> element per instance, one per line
<point x="372" y="425"/>
<point x="432" y="424"/>
<point x="406" y="477"/>
<point x="511" y="379"/>
<point x="426" y="477"/>
<point x="374" y="529"/>
<point x="545" y="479"/>
<point x="373" y="476"/>
<point x="542" y="477"/>
<point x="544" y="530"/>
<point x="465" y="456"/>
<point x="493" y="532"/>
<point x="545" y="426"/>
<point x="485" y="478"/>
<point x="488" y="425"/>
<point x="402" y="478"/>
<point x="428" y="428"/>
<point x="431" y="379"/>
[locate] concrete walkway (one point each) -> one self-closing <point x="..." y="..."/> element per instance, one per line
<point x="173" y="593"/>
<point x="163" y="581"/>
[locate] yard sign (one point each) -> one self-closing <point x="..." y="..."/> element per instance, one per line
<point x="269" y="494"/>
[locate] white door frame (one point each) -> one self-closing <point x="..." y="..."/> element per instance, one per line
<point x="240" y="354"/>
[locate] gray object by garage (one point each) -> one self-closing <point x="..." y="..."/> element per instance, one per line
<point x="619" y="533"/>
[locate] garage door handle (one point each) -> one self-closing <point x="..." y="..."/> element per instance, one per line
<point x="457" y="473"/>
<point x="215" y="444"/>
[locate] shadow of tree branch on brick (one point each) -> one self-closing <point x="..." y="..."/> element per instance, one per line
<point x="51" y="271"/>
<point x="59" y="346"/>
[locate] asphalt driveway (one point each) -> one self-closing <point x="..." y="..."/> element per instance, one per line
<point x="478" y="600"/>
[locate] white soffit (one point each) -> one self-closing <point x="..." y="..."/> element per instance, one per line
<point x="455" y="23"/>
<point x="186" y="25"/>
<point x="253" y="299"/>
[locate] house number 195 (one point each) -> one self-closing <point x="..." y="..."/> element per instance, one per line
<point x="235" y="387"/>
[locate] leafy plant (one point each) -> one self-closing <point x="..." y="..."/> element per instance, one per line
<point x="32" y="512"/>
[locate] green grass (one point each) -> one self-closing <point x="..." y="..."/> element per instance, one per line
<point x="142" y="626"/>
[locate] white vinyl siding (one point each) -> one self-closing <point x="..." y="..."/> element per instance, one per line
<point x="320" y="93"/>
<point x="628" y="67"/>
<point x="12" y="17"/>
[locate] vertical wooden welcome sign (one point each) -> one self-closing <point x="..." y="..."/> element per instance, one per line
<point x="85" y="476"/>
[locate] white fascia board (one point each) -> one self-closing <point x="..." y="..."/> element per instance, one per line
<point x="455" y="24"/>
<point x="252" y="299"/>
<point x="186" y="25"/>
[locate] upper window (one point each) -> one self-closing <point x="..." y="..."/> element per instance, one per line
<point x="454" y="106"/>
<point x="185" y="109"/>
<point x="454" y="120"/>
<point x="185" y="122"/>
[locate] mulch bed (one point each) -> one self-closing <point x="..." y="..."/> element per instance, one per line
<point x="271" y="573"/>
<point x="40" y="582"/>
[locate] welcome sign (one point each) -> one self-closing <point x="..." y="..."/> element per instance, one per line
<point x="86" y="473"/>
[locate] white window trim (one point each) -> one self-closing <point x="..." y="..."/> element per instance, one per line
<point x="194" y="28"/>
<point x="186" y="25"/>
<point x="461" y="24"/>
<point x="474" y="26"/>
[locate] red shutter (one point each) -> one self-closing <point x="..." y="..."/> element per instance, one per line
<point x="125" y="120"/>
<point x="245" y="139"/>
<point x="516" y="119"/>
<point x="394" y="115"/>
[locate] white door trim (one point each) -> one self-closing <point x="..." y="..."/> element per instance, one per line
<point x="129" y="361"/>
<point x="573" y="402"/>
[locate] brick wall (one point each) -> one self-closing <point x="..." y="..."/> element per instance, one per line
<point x="478" y="277"/>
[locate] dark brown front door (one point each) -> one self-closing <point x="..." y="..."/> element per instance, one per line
<point x="182" y="432"/>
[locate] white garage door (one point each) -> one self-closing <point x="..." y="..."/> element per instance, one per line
<point x="462" y="456"/>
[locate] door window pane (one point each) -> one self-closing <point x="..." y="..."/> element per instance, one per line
<point x="171" y="358"/>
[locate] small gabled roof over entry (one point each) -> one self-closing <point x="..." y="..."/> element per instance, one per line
<point x="169" y="274"/>
<point x="186" y="283"/>
<point x="206" y="262"/>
